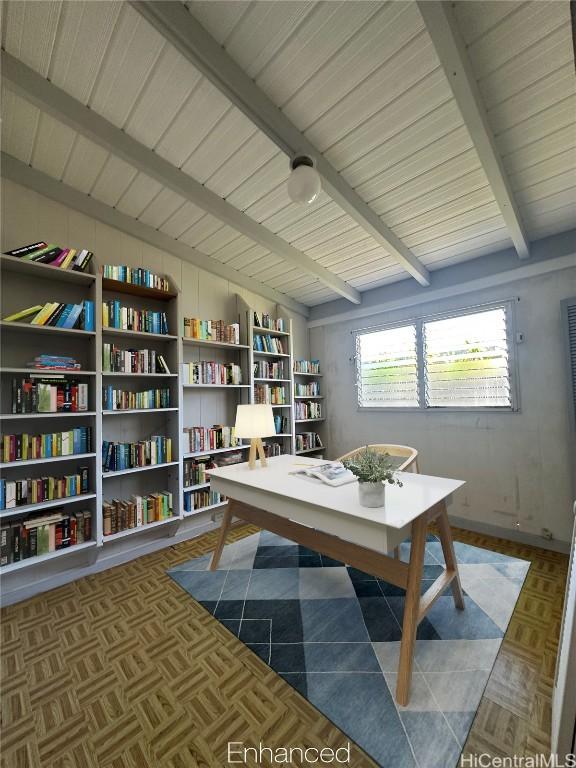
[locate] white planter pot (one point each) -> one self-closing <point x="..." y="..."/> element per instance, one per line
<point x="371" y="494"/>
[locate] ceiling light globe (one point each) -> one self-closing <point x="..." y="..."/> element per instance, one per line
<point x="304" y="185"/>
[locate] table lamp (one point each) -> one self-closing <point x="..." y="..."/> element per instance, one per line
<point x="255" y="422"/>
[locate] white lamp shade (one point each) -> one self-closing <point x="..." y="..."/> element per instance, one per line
<point x="304" y="185"/>
<point x="254" y="421"/>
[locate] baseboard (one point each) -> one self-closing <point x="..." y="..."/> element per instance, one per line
<point x="512" y="535"/>
<point x="38" y="585"/>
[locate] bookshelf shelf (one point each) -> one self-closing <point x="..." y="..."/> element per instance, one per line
<point x="48" y="372"/>
<point x="308" y="397"/>
<point x="119" y="286"/>
<point x="196" y="454"/>
<point x="29" y="328"/>
<point x="205" y="509"/>
<point x="197" y="487"/>
<point x="49" y="460"/>
<point x="26" y="508"/>
<point x="258" y="353"/>
<point x="128" y="411"/>
<point x="279" y="434"/>
<point x="30" y="561"/>
<point x="122" y="375"/>
<point x="310" y="450"/>
<point x="215" y="344"/>
<point x="132" y="470"/>
<point x="108" y="331"/>
<point x="58" y="415"/>
<point x="216" y="386"/>
<point x="306" y="421"/>
<point x="280" y="405"/>
<point x="314" y="375"/>
<point x="44" y="271"/>
<point x="285" y="381"/>
<point x="140" y="528"/>
<point x="257" y="331"/>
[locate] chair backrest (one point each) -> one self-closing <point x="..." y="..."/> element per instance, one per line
<point x="410" y="455"/>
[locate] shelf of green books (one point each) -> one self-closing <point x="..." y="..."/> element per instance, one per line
<point x="209" y="452"/>
<point x="107" y="330"/>
<point x="216" y="386"/>
<point x="44" y="271"/>
<point x="140" y="528"/>
<point x="132" y="470"/>
<point x="127" y="411"/>
<point x="204" y="509"/>
<point x="208" y="343"/>
<point x="49" y="371"/>
<point x="123" y="375"/>
<point x="48" y="460"/>
<point x="29" y="328"/>
<point x="48" y="556"/>
<point x="41" y="415"/>
<point x="26" y="508"/>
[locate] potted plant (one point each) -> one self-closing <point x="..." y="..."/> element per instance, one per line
<point x="373" y="470"/>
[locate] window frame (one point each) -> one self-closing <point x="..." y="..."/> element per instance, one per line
<point x="509" y="306"/>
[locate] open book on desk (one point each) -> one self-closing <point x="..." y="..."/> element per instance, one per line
<point x="333" y="473"/>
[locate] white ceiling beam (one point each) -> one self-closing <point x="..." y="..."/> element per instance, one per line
<point x="185" y="33"/>
<point x="40" y="182"/>
<point x="49" y="98"/>
<point x="442" y="27"/>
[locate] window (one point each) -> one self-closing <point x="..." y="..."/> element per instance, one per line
<point x="453" y="361"/>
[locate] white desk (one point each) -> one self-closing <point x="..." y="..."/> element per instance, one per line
<point x="331" y="521"/>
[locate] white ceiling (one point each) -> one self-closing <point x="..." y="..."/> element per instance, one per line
<point x="361" y="80"/>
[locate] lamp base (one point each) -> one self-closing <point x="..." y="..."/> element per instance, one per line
<point x="256" y="446"/>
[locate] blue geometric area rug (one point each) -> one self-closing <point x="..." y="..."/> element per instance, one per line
<point x="333" y="633"/>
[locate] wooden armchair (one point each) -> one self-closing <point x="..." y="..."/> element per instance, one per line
<point x="410" y="455"/>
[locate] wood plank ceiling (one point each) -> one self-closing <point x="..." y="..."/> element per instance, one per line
<point x="361" y="80"/>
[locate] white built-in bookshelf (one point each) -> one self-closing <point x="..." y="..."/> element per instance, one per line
<point x="309" y="408"/>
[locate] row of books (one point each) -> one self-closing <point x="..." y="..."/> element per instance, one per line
<point x="49" y="394"/>
<point x="124" y="400"/>
<point x="118" y="456"/>
<point x="116" y="360"/>
<point x="308" y="390"/>
<point x="35" y="490"/>
<point x="50" y="362"/>
<point x="114" y="315"/>
<point x="307" y="440"/>
<point x="195" y="471"/>
<point x="269" y="344"/>
<point x="265" y="393"/>
<point x="135" y="276"/>
<point x="124" y="514"/>
<point x="22" y="447"/>
<point x="209" y="438"/>
<point x="307" y="366"/>
<point x="304" y="410"/>
<point x="43" y="533"/>
<point x="49" y="253"/>
<point x="268" y="370"/>
<point x="282" y="425"/>
<point x="211" y="330"/>
<point x="265" y="321"/>
<point x="272" y="449"/>
<point x="196" y="500"/>
<point x="57" y="315"/>
<point x="209" y="372"/>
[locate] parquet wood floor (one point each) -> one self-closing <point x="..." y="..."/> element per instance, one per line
<point x="124" y="670"/>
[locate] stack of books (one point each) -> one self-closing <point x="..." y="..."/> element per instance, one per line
<point x="50" y="362"/>
<point x="49" y="394"/>
<point x="307" y="440"/>
<point x="265" y="321"/>
<point x="307" y="366"/>
<point x="42" y="534"/>
<point x="195" y="500"/>
<point x="49" y="253"/>
<point x="114" y="315"/>
<point x="58" y="315"/>
<point x="267" y="370"/>
<point x="210" y="438"/>
<point x="308" y="390"/>
<point x="211" y="330"/>
<point x="282" y="425"/>
<point x="121" y="515"/>
<point x="22" y="447"/>
<point x="135" y="276"/>
<point x="264" y="343"/>
<point x="195" y="471"/>
<point x="116" y="360"/>
<point x="35" y="490"/>
<point x="118" y="456"/>
<point x="272" y="449"/>
<point x="208" y="372"/>
<point x="124" y="400"/>
<point x="308" y="410"/>
<point x="264" y="393"/>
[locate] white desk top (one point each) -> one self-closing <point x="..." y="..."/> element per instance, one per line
<point x="418" y="493"/>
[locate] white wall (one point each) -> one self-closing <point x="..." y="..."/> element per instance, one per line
<point x="518" y="467"/>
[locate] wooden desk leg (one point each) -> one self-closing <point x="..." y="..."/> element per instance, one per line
<point x="411" y="610"/>
<point x="224" y="528"/>
<point x="450" y="556"/>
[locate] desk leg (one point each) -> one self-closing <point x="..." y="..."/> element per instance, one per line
<point x="411" y="610"/>
<point x="224" y="528"/>
<point x="449" y="556"/>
